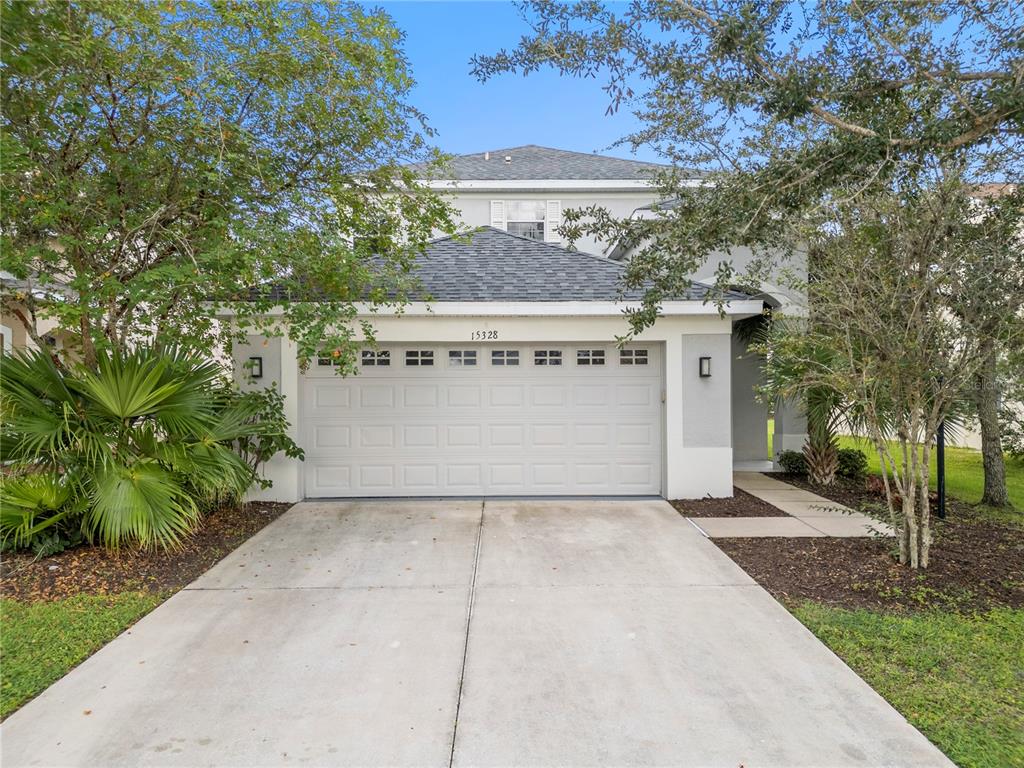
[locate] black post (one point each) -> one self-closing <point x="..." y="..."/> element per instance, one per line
<point x="940" y="466"/>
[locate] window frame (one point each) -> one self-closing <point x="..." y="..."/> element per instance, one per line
<point x="509" y="358"/>
<point x="542" y="210"/>
<point x="590" y="357"/>
<point x="463" y="358"/>
<point x="419" y="358"/>
<point x="375" y="358"/>
<point x="548" y="358"/>
<point x="634" y="356"/>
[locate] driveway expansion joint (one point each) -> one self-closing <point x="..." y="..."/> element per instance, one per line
<point x="469" y="619"/>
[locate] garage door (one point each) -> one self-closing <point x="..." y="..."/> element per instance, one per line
<point x="423" y="420"/>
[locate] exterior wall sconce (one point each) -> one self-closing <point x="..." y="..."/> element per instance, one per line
<point x="255" y="366"/>
<point x="705" y="367"/>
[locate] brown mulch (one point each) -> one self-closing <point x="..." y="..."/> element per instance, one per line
<point x="742" y="504"/>
<point x="976" y="563"/>
<point x="94" y="570"/>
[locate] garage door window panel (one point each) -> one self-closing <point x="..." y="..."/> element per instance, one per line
<point x="589" y="357"/>
<point x="461" y="358"/>
<point x="376" y="358"/>
<point x="633" y="357"/>
<point x="549" y="357"/>
<point x="504" y="357"/>
<point x="419" y="357"/>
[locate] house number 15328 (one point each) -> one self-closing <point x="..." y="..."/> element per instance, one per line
<point x="478" y="335"/>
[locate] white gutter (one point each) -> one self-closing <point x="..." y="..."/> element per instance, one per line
<point x="742" y="308"/>
<point x="564" y="185"/>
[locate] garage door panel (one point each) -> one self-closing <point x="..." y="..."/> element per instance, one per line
<point x="463" y="435"/>
<point x="591" y="435"/>
<point x="591" y="395"/>
<point x="462" y="396"/>
<point x="633" y="395"/>
<point x="469" y="430"/>
<point x="377" y="394"/>
<point x="506" y="435"/>
<point x="420" y="476"/>
<point x="419" y="395"/>
<point x="635" y="435"/>
<point x="549" y="436"/>
<point x="549" y="395"/>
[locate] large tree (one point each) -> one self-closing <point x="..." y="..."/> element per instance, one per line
<point x="161" y="159"/>
<point x="786" y="106"/>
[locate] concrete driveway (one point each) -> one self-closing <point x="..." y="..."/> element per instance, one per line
<point x="437" y="633"/>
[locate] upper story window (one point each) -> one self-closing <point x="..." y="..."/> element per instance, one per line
<point x="536" y="219"/>
<point x="526" y="218"/>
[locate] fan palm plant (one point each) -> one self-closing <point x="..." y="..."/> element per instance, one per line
<point x="128" y="450"/>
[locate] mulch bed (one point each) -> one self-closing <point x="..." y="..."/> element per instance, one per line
<point x="94" y="570"/>
<point x="976" y="564"/>
<point x="742" y="504"/>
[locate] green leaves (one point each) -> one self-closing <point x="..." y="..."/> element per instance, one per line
<point x="159" y="163"/>
<point x="129" y="452"/>
<point x="142" y="503"/>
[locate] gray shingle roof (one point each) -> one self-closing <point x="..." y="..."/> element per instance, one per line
<point x="493" y="265"/>
<point x="533" y="162"/>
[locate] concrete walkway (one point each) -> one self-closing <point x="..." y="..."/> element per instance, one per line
<point x="511" y="633"/>
<point x="809" y="515"/>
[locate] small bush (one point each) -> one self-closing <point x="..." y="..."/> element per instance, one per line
<point x="853" y="463"/>
<point x="130" y="452"/>
<point x="793" y="462"/>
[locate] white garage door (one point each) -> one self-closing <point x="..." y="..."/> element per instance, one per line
<point x="473" y="420"/>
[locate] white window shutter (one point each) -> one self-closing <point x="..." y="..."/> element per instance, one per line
<point x="553" y="220"/>
<point x="498" y="214"/>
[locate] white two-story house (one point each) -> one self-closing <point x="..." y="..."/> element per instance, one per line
<point x="509" y="380"/>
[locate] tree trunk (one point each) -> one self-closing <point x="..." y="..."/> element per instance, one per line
<point x="987" y="401"/>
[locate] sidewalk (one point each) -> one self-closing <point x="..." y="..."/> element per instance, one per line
<point x="810" y="515"/>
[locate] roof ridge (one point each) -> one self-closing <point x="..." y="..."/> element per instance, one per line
<point x="566" y="151"/>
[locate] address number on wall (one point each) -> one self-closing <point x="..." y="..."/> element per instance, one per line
<point x="480" y="335"/>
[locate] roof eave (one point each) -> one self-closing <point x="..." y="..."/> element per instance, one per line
<point x="688" y="308"/>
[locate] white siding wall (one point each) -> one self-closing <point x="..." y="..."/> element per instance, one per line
<point x="476" y="209"/>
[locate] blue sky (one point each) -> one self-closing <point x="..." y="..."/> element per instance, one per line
<point x="470" y="116"/>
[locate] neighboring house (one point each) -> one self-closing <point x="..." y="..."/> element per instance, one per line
<point x="510" y="380"/>
<point x="16" y="296"/>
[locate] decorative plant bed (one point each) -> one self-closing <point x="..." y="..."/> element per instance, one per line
<point x="742" y="504"/>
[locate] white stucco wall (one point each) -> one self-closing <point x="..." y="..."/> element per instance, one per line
<point x="697" y="412"/>
<point x="749" y="416"/>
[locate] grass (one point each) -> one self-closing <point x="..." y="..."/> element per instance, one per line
<point x="41" y="641"/>
<point x="956" y="678"/>
<point x="964" y="473"/>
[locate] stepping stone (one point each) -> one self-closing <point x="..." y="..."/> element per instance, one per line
<point x="754" y="527"/>
<point x="818" y="507"/>
<point x="850" y="526"/>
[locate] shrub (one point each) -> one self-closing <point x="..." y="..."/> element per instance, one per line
<point x="853" y="463"/>
<point x="793" y="462"/>
<point x="128" y="453"/>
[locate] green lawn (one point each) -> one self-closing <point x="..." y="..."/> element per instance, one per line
<point x="41" y="641"/>
<point x="964" y="474"/>
<point x="956" y="678"/>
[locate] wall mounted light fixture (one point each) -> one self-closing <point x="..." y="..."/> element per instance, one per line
<point x="705" y="367"/>
<point x="255" y="366"/>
